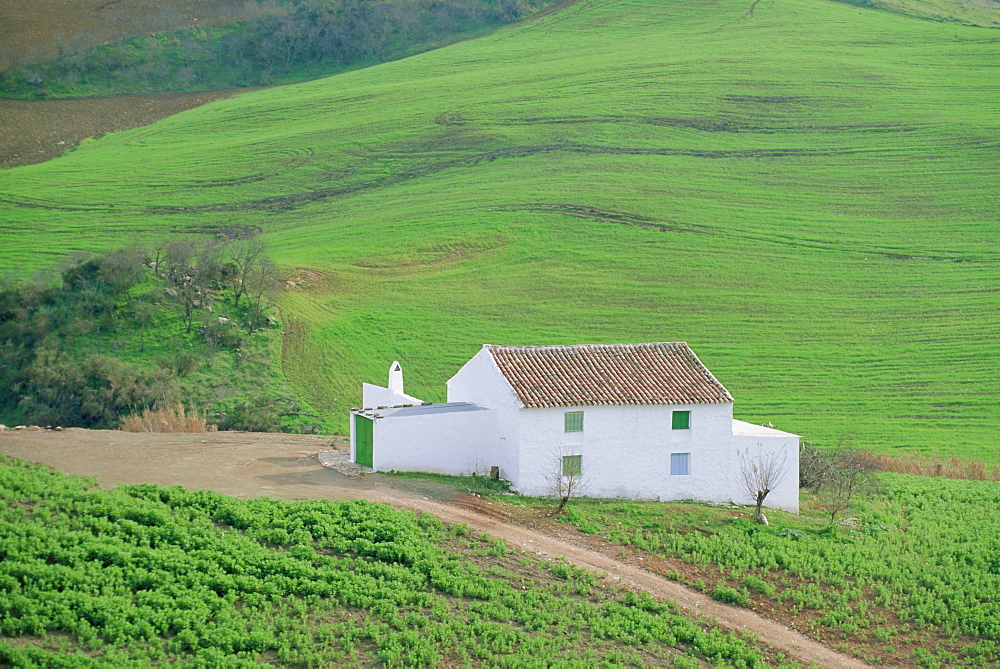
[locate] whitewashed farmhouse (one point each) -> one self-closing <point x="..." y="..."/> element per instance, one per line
<point x="637" y="421"/>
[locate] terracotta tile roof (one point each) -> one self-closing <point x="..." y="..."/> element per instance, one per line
<point x="607" y="374"/>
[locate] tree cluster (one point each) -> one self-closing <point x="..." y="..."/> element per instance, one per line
<point x="277" y="39"/>
<point x="63" y="340"/>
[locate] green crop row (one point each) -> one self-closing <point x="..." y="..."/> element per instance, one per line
<point x="917" y="565"/>
<point x="145" y="574"/>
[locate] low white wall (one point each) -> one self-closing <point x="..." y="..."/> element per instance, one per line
<point x="375" y="396"/>
<point x="626" y="451"/>
<point x="457" y="443"/>
<point x="753" y="441"/>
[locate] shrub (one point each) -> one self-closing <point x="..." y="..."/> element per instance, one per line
<point x="174" y="419"/>
<point x="253" y="414"/>
<point x="758" y="584"/>
<point x="729" y="595"/>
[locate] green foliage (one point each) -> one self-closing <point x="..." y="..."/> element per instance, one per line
<point x="729" y="595"/>
<point x="145" y="575"/>
<point x="923" y="554"/>
<point x="629" y="170"/>
<point x="474" y="484"/>
<point x="253" y="414"/>
<point x="115" y="335"/>
<point x="291" y="41"/>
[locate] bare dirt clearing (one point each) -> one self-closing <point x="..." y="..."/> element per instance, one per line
<point x="287" y="467"/>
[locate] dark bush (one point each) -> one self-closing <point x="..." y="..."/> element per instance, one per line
<point x="253" y="414"/>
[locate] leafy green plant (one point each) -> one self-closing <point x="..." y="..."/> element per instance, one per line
<point x="729" y="595"/>
<point x="932" y="570"/>
<point x="150" y="575"/>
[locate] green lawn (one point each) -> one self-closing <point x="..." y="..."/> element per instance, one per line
<point x="805" y="191"/>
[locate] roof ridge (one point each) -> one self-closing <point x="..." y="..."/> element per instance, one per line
<point x="554" y="346"/>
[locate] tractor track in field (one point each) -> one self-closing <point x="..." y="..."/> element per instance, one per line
<point x="609" y="216"/>
<point x="297" y="199"/>
<point x="287" y="467"/>
<point x="704" y="125"/>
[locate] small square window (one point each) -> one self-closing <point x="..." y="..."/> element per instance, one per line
<point x="572" y="465"/>
<point x="681" y="420"/>
<point x="574" y="421"/>
<point x="680" y="464"/>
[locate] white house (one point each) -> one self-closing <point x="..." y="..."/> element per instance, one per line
<point x="637" y="421"/>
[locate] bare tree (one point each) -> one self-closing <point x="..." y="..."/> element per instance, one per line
<point x="760" y="474"/>
<point x="849" y="473"/>
<point x="243" y="257"/>
<point x="262" y="282"/>
<point x="122" y="269"/>
<point x="565" y="477"/>
<point x="190" y="275"/>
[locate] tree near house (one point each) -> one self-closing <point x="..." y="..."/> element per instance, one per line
<point x="850" y="473"/>
<point x="565" y="477"/>
<point x="760" y="473"/>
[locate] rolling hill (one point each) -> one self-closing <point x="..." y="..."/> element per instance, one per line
<point x="803" y="190"/>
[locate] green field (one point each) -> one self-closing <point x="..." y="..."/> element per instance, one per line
<point x="805" y="191"/>
<point x="910" y="577"/>
<point x="151" y="576"/>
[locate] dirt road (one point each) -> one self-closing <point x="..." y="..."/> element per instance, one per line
<point x="286" y="467"/>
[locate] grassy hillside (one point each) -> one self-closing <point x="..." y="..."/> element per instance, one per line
<point x="802" y="190"/>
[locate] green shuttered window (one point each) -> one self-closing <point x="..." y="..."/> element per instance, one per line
<point x="574" y="421"/>
<point x="681" y="420"/>
<point x="572" y="465"/>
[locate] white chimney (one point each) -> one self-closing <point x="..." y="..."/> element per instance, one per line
<point x="396" y="378"/>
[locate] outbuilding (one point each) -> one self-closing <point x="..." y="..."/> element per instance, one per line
<point x="636" y="421"/>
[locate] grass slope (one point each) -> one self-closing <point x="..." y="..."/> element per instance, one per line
<point x="803" y="190"/>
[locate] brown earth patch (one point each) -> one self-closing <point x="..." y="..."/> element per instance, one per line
<point x="34" y="131"/>
<point x="43" y="29"/>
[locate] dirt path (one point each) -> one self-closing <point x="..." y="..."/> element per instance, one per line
<point x="286" y="467"/>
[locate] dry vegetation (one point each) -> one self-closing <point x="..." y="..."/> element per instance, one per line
<point x="952" y="467"/>
<point x="173" y="419"/>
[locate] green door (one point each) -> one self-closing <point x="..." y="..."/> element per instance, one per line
<point x="363" y="440"/>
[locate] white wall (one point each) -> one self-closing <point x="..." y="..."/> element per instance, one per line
<point x="626" y="451"/>
<point x="480" y="381"/>
<point x="456" y="443"/>
<point x="375" y="396"/>
<point x="755" y="440"/>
